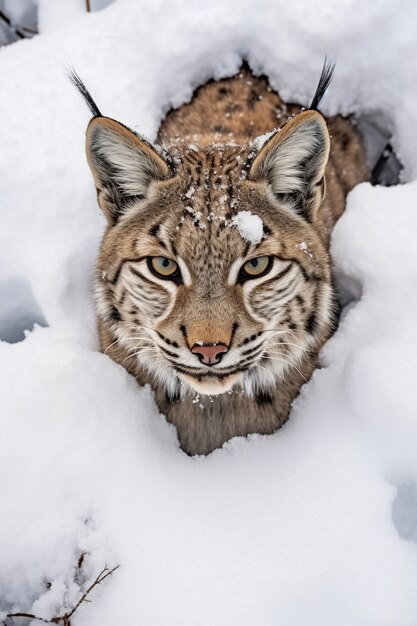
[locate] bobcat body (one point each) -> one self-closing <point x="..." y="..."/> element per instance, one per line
<point x="224" y="326"/>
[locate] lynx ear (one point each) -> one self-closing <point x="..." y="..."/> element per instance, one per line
<point x="123" y="166"/>
<point x="293" y="163"/>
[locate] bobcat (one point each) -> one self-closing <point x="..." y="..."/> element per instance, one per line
<point x="214" y="281"/>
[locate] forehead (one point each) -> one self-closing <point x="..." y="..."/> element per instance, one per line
<point x="209" y="194"/>
<point x="192" y="215"/>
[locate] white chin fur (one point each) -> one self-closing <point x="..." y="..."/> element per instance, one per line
<point x="211" y="386"/>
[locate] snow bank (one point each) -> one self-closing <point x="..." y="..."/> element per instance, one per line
<point x="304" y="527"/>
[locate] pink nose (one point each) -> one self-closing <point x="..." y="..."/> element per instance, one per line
<point x="209" y="353"/>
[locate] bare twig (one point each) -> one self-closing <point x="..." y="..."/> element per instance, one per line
<point x="30" y="616"/>
<point x="102" y="576"/>
<point x="65" y="620"/>
<point x="31" y="31"/>
<point x="88" y="6"/>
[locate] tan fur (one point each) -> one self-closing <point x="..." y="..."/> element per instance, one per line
<point x="243" y="107"/>
<point x="188" y="215"/>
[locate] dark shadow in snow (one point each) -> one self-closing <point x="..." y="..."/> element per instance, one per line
<point x="18" y="21"/>
<point x="383" y="162"/>
<point x="385" y="170"/>
<point x="348" y="289"/>
<point x="98" y="5"/>
<point x="404" y="511"/>
<point x="19" y="310"/>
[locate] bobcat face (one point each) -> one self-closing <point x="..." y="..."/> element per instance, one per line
<point x="180" y="288"/>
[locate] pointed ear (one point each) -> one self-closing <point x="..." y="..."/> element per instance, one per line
<point x="293" y="161"/>
<point x="123" y="166"/>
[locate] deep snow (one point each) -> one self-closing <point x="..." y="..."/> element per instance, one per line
<point x="315" y="525"/>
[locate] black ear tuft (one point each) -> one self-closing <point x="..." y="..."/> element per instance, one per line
<point x="324" y="82"/>
<point x="76" y="80"/>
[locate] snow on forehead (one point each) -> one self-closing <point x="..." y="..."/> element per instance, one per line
<point x="249" y="225"/>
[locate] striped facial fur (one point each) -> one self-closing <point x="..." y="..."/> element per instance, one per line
<point x="213" y="281"/>
<point x="181" y="293"/>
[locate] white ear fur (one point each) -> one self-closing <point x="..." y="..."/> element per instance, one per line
<point x="296" y="156"/>
<point x="123" y="165"/>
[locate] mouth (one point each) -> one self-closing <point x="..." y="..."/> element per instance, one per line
<point x="214" y="379"/>
<point x="211" y="385"/>
<point x="211" y="381"/>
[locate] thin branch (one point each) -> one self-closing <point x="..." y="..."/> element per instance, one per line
<point x="11" y="615"/>
<point x="88" y="6"/>
<point x="6" y="19"/>
<point x="65" y="620"/>
<point x="102" y="576"/>
<point x="31" y="31"/>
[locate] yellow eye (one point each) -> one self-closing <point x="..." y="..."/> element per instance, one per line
<point x="163" y="267"/>
<point x="258" y="266"/>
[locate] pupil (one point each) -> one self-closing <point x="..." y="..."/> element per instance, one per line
<point x="254" y="262"/>
<point x="165" y="262"/>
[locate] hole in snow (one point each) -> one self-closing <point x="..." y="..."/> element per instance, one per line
<point x="97" y="5"/>
<point x="383" y="162"/>
<point x="19" y="310"/>
<point x="18" y="20"/>
<point x="404" y="511"/>
<point x="348" y="289"/>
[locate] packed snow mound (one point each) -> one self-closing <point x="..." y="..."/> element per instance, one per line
<point x="305" y="527"/>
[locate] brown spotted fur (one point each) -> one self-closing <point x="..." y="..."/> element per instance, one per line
<point x="243" y="107"/>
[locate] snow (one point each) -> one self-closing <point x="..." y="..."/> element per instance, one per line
<point x="191" y="191"/>
<point x="260" y="141"/>
<point x="19" y="310"/>
<point x="304" y="247"/>
<point x="250" y="226"/>
<point x="19" y="11"/>
<point x="314" y="525"/>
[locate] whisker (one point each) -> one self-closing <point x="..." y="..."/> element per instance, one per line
<point x="126" y="339"/>
<point x="271" y="358"/>
<point x="281" y="332"/>
<point x="262" y="367"/>
<point x="283" y="354"/>
<point x="144" y="349"/>
<point x="139" y="353"/>
<point x="112" y="344"/>
<point x="141" y="350"/>
<point x="140" y="345"/>
<point x="295" y="345"/>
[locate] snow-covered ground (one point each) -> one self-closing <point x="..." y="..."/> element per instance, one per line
<point x="315" y="525"/>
